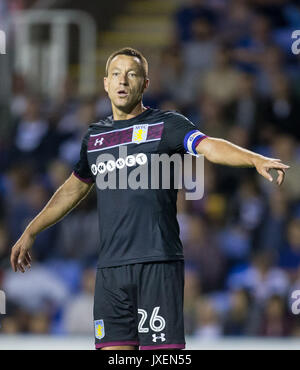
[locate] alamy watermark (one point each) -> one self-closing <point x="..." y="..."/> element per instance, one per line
<point x="2" y="303"/>
<point x="296" y="43"/>
<point x="2" y="42"/>
<point x="152" y="171"/>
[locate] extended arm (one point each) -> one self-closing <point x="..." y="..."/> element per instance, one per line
<point x="223" y="152"/>
<point x="67" y="197"/>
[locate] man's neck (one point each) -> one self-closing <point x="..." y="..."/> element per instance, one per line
<point x="121" y="115"/>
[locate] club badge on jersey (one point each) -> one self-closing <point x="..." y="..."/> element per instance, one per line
<point x="191" y="140"/>
<point x="139" y="134"/>
<point x="99" y="329"/>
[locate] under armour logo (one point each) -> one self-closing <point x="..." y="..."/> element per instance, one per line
<point x="161" y="337"/>
<point x="99" y="141"/>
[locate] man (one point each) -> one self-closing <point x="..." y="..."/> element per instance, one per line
<point x="140" y="275"/>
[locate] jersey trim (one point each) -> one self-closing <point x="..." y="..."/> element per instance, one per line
<point x="114" y="146"/>
<point x="86" y="180"/>
<point x="163" y="346"/>
<point x="136" y="134"/>
<point x="113" y="344"/>
<point x="122" y="129"/>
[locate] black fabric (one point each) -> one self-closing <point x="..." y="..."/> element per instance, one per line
<point x="122" y="292"/>
<point x="136" y="225"/>
<point x="82" y="168"/>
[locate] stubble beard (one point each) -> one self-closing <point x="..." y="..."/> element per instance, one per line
<point x="128" y="107"/>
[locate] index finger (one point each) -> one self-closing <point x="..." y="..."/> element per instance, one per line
<point x="278" y="165"/>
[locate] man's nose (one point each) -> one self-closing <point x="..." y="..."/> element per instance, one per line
<point x="123" y="79"/>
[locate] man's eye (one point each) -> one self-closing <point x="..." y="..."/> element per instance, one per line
<point x="132" y="74"/>
<point x="115" y="73"/>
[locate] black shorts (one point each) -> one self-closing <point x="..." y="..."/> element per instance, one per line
<point x="140" y="305"/>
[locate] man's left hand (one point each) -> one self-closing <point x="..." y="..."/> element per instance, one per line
<point x="264" y="165"/>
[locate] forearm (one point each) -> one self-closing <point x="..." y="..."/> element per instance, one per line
<point x="223" y="152"/>
<point x="61" y="203"/>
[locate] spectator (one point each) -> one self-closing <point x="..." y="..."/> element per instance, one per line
<point x="199" y="53"/>
<point x="30" y="133"/>
<point x="290" y="255"/>
<point x="179" y="84"/>
<point x="272" y="64"/>
<point x="236" y="23"/>
<point x="286" y="147"/>
<point x="192" y="290"/>
<point x="261" y="277"/>
<point x="188" y="13"/>
<point x="275" y="322"/>
<point x="282" y="108"/>
<point x="250" y="51"/>
<point x="273" y="229"/>
<point x="246" y="108"/>
<point x="208" y="324"/>
<point x="202" y="250"/>
<point x="238" y="319"/>
<point x="19" y="101"/>
<point x="69" y="233"/>
<point x="221" y="83"/>
<point x="79" y="310"/>
<point x="76" y="125"/>
<point x="37" y="291"/>
<point x="39" y="323"/>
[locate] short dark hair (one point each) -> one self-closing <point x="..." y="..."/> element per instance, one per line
<point x="132" y="53"/>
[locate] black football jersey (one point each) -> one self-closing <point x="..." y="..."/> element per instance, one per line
<point x="136" y="223"/>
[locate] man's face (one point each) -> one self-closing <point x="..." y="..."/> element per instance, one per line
<point x="125" y="82"/>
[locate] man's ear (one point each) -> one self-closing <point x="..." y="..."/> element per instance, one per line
<point x="105" y="84"/>
<point x="146" y="84"/>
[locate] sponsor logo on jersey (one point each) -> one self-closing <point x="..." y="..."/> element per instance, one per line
<point x="129" y="161"/>
<point x="99" y="141"/>
<point x="139" y="134"/>
<point x="161" y="337"/>
<point x="148" y="171"/>
<point x="99" y="329"/>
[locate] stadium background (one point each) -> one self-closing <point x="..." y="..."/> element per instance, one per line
<point x="226" y="65"/>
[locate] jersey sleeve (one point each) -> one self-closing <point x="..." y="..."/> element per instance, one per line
<point x="181" y="135"/>
<point x="81" y="169"/>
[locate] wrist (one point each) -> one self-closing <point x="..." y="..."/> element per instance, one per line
<point x="30" y="233"/>
<point x="255" y="159"/>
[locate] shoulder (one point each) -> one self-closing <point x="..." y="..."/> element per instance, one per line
<point x="96" y="126"/>
<point x="168" y="113"/>
<point x="106" y="122"/>
<point x="177" y="121"/>
<point x="171" y="117"/>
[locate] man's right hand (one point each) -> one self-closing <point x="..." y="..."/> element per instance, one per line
<point x="20" y="258"/>
<point x="66" y="197"/>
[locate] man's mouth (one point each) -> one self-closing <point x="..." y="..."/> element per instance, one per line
<point x="122" y="93"/>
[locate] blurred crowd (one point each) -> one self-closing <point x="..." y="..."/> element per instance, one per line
<point x="230" y="69"/>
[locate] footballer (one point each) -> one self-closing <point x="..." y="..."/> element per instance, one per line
<point x="140" y="273"/>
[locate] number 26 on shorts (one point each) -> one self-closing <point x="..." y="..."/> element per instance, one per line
<point x="157" y="323"/>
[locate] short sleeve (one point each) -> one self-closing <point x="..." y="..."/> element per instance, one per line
<point x="81" y="169"/>
<point x="181" y="135"/>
